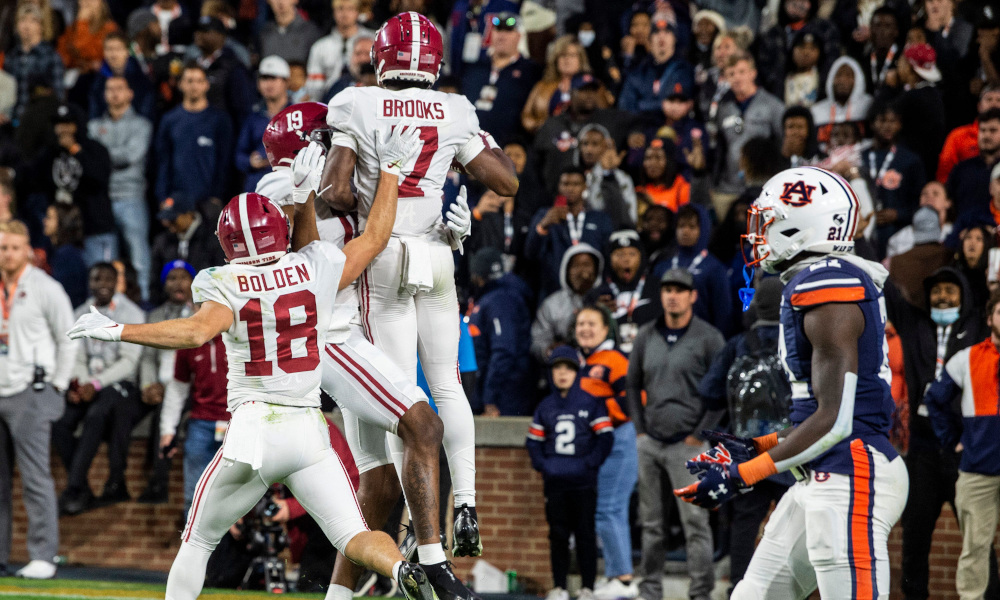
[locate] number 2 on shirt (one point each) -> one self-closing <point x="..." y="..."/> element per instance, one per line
<point x="259" y="365"/>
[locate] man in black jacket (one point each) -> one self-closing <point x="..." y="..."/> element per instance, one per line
<point x="190" y="237"/>
<point x="930" y="337"/>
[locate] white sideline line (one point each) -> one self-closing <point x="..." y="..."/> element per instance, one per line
<point x="22" y="593"/>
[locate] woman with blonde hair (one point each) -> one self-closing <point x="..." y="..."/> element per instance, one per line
<point x="550" y="96"/>
<point x="52" y="21"/>
<point x="82" y="44"/>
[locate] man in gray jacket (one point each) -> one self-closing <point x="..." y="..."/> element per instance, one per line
<point x="669" y="358"/>
<point x="127" y="135"/>
<point x="579" y="272"/>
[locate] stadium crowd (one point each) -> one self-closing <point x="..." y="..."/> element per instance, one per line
<point x="641" y="131"/>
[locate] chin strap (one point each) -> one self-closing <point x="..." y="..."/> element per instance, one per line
<point x="747" y="292"/>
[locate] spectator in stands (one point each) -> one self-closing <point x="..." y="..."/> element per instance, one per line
<point x="34" y="325"/>
<point x="775" y="45"/>
<point x="272" y="83"/>
<point x="656" y="230"/>
<point x="551" y="95"/>
<point x="635" y="44"/>
<point x="32" y="61"/>
<point x="798" y="144"/>
<point x="499" y="84"/>
<point x="193" y="166"/>
<point x="226" y="13"/>
<point x="660" y="179"/>
<point x="156" y="369"/>
<point x="679" y="125"/>
<point x="802" y="86"/>
<point x="553" y="230"/>
<point x="127" y="136"/>
<point x="714" y="85"/>
<point x="579" y="273"/>
<point x="500" y="325"/>
<point x="330" y="54"/>
<point x="909" y="269"/>
<point x="354" y="73"/>
<point x="896" y="173"/>
<point x="289" y="35"/>
<point x="118" y="63"/>
<point x="569" y="465"/>
<point x="229" y="81"/>
<point x="659" y="75"/>
<point x="934" y="195"/>
<point x="969" y="182"/>
<point x="168" y="68"/>
<point x="846" y="99"/>
<point x="881" y="49"/>
<point x="467" y="28"/>
<point x="745" y="112"/>
<point x="624" y="292"/>
<point x="604" y="377"/>
<point x="496" y="224"/>
<point x="189" y="237"/>
<point x="297" y="91"/>
<point x="7" y="196"/>
<point x="556" y="142"/>
<point x="975" y="491"/>
<point x="706" y="26"/>
<point x="104" y="385"/>
<point x="920" y="107"/>
<point x="64" y="227"/>
<point x="199" y="374"/>
<point x="166" y="12"/>
<point x="82" y="44"/>
<point x="670" y="357"/>
<point x="608" y="188"/>
<point x="963" y="141"/>
<point x="143" y="30"/>
<point x="972" y="259"/>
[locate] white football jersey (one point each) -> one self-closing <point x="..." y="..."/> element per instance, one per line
<point x="281" y="320"/>
<point x="449" y="129"/>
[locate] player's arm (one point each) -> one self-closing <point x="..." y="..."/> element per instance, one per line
<point x="495" y="170"/>
<point x="210" y="320"/>
<point x="335" y="183"/>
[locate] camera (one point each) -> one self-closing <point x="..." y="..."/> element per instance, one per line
<point x="265" y="540"/>
<point x="38" y="381"/>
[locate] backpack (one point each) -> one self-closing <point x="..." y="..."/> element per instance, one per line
<point x="758" y="391"/>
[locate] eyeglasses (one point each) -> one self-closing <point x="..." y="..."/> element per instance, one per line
<point x="508" y="22"/>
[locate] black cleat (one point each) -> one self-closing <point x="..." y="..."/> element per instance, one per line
<point x="447" y="586"/>
<point x="413" y="582"/>
<point x="466" y="540"/>
<point x="409" y="546"/>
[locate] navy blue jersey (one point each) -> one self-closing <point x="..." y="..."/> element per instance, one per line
<point x="836" y="280"/>
<point x="569" y="438"/>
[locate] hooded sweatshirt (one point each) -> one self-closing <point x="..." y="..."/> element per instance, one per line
<point x="829" y="111"/>
<point x="557" y="312"/>
<point x="635" y="299"/>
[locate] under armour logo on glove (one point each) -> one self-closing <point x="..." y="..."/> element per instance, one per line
<point x="719" y="492"/>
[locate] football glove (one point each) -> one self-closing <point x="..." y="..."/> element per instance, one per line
<point x="719" y="484"/>
<point x="277" y="186"/>
<point x="96" y="326"/>
<point x="719" y="455"/>
<point x="307" y="170"/>
<point x="397" y="148"/>
<point x="459" y="221"/>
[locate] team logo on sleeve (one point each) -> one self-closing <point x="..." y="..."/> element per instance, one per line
<point x="797" y="194"/>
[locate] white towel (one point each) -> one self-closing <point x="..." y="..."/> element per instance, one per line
<point x="417" y="273"/>
<point x="243" y="439"/>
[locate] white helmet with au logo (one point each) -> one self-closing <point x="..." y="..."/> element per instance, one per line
<point x="805" y="209"/>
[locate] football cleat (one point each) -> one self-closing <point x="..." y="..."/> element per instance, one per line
<point x="409" y="546"/>
<point x="466" y="540"/>
<point x="447" y="586"/>
<point x="414" y="583"/>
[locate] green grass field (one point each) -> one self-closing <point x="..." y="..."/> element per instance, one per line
<point x="76" y="589"/>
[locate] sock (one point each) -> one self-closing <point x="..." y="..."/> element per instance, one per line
<point x="469" y="501"/>
<point x="431" y="554"/>
<point x="338" y="592"/>
<point x="187" y="574"/>
<point x="395" y="570"/>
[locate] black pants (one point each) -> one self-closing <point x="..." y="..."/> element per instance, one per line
<point x="572" y="512"/>
<point x="748" y="512"/>
<point x="111" y="415"/>
<point x="932" y="483"/>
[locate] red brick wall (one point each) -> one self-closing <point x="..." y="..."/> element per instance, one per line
<point x="510" y="505"/>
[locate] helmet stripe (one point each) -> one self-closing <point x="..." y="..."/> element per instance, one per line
<point x="245" y="224"/>
<point x="414" y="41"/>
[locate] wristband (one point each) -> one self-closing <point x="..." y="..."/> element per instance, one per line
<point x="756" y="469"/>
<point x="765" y="442"/>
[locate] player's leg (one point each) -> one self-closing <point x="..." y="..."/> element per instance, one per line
<point x="780" y="569"/>
<point x="437" y="344"/>
<point x="226" y="491"/>
<point x="976" y="498"/>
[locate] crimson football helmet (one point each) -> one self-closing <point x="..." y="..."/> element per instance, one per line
<point x="292" y="129"/>
<point x="408" y="48"/>
<point x="252" y="230"/>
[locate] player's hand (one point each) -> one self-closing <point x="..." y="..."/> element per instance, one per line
<point x="718" y="455"/>
<point x="718" y="485"/>
<point x="277" y="189"/>
<point x="397" y="148"/>
<point x="742" y="449"/>
<point x="96" y="326"/>
<point x="459" y="221"/>
<point x="307" y="168"/>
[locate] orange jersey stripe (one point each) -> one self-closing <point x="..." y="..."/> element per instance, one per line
<point x="861" y="557"/>
<point x="822" y="296"/>
<point x="983" y="372"/>
<point x="604" y="425"/>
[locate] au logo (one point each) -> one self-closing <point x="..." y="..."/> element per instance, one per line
<point x="797" y="194"/>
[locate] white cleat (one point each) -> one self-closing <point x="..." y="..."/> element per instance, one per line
<point x="614" y="589"/>
<point x="37" y="569"/>
<point x="557" y="594"/>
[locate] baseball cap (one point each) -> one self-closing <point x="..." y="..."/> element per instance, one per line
<point x="175" y="264"/>
<point x="565" y="354"/>
<point x="923" y="59"/>
<point x="536" y="17"/>
<point x="68" y="113"/>
<point x="679" y="277"/>
<point x="681" y="90"/>
<point x="139" y="20"/>
<point x="926" y="226"/>
<point x="171" y="208"/>
<point x="487" y="263"/>
<point x="767" y="299"/>
<point x="504" y="21"/>
<point x="584" y="80"/>
<point x="623" y="238"/>
<point x="664" y="25"/>
<point x="209" y="23"/>
<point x="274" y="66"/>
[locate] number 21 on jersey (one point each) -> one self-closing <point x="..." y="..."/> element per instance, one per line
<point x="294" y="319"/>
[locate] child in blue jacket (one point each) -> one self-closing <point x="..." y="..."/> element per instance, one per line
<point x="569" y="438"/>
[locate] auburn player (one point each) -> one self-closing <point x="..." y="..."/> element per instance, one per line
<point x="374" y="395"/>
<point x="264" y="303"/>
<point x="831" y="529"/>
<point x="407" y="296"/>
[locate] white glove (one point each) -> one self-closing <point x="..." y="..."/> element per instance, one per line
<point x="277" y="186"/>
<point x="397" y="149"/>
<point x="96" y="326"/>
<point x="307" y="170"/>
<point x="459" y="221"/>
